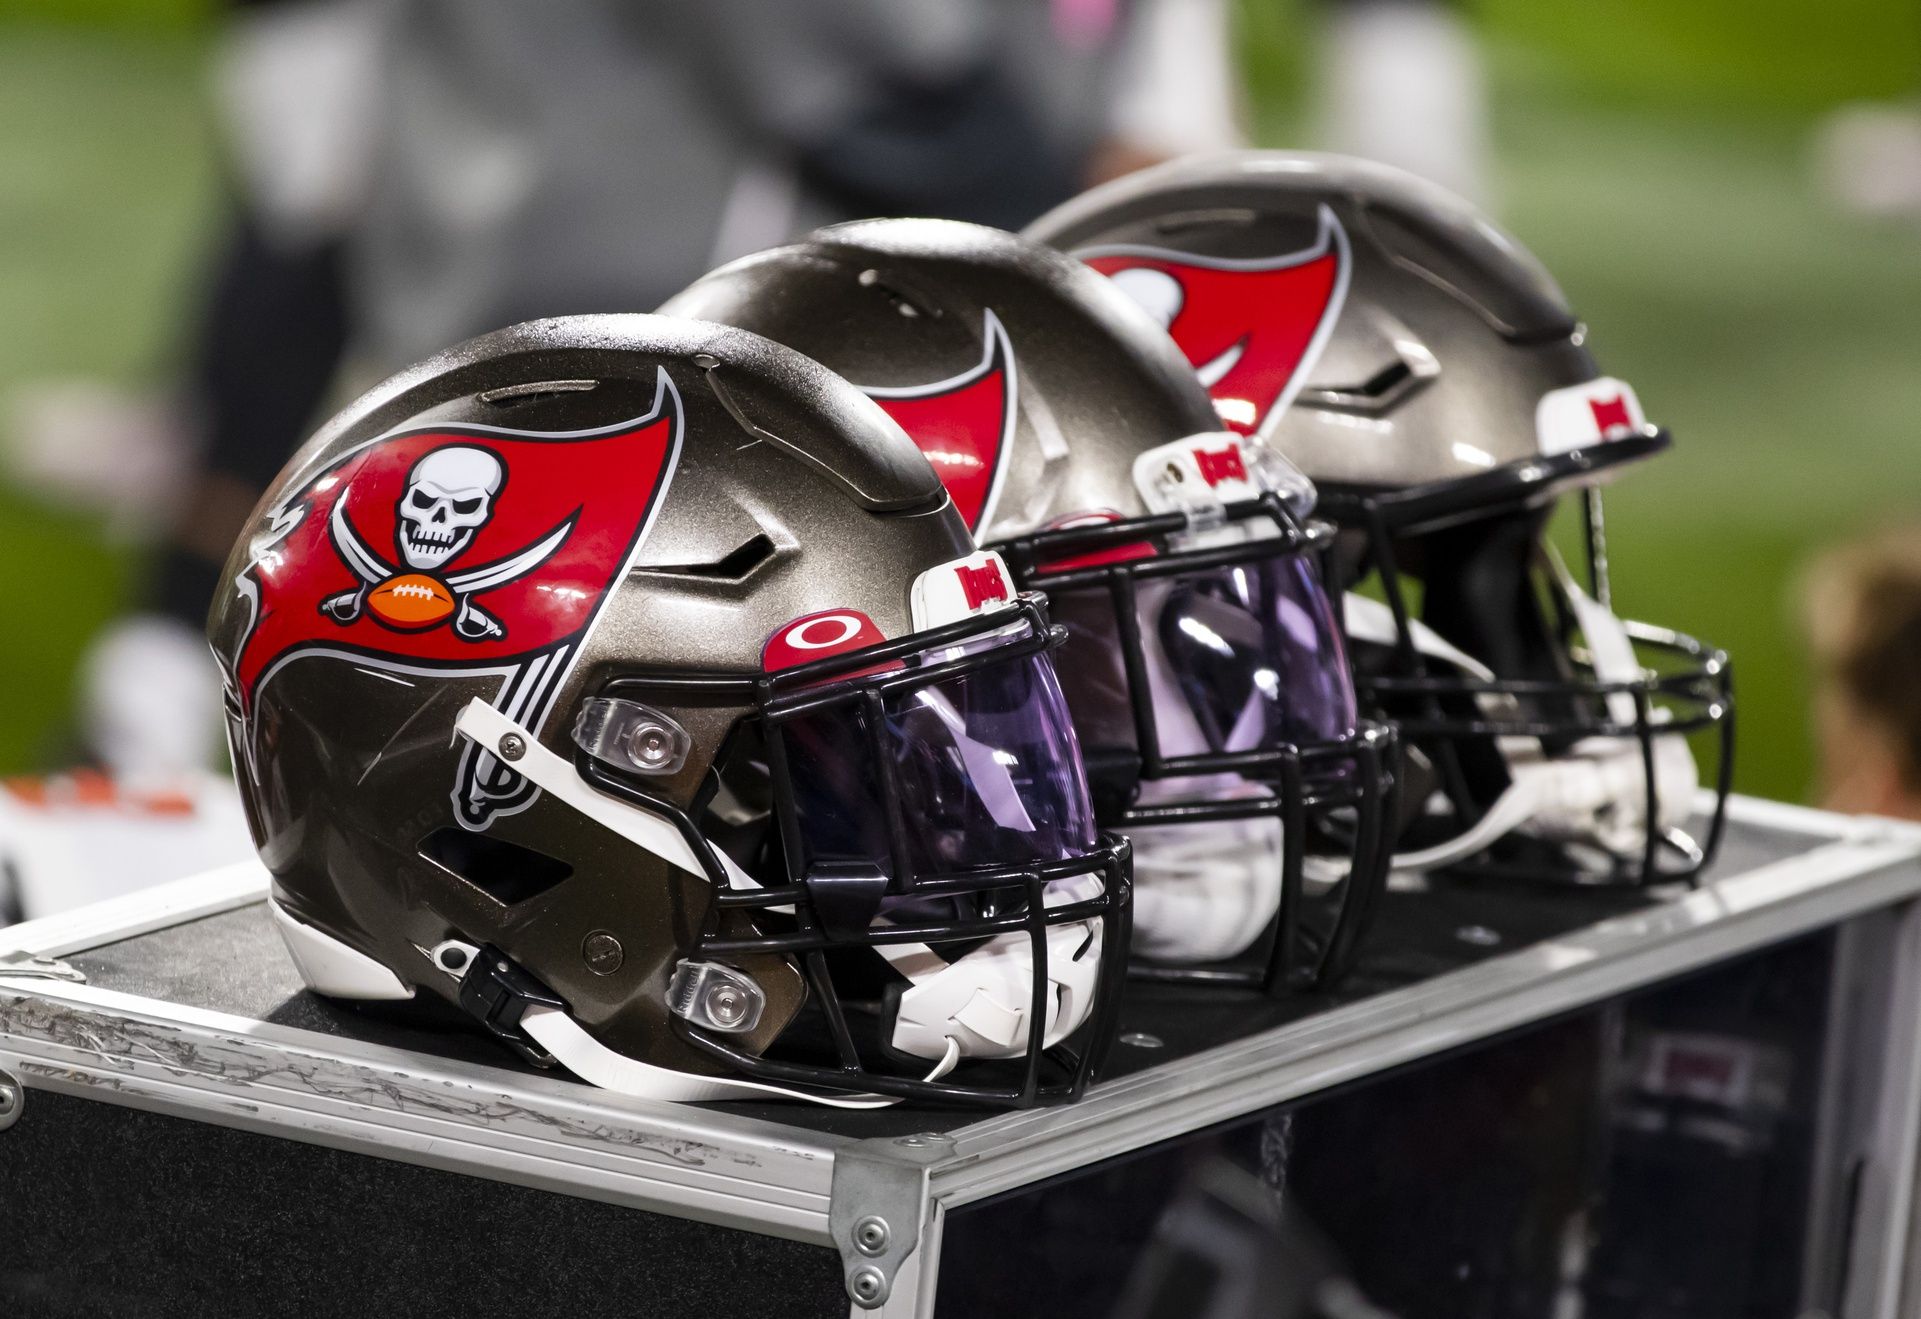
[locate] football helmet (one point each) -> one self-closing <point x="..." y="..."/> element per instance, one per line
<point x="1426" y="372"/>
<point x="633" y="685"/>
<point x="1204" y="666"/>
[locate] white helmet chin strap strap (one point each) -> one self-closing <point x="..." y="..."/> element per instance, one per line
<point x="1595" y="792"/>
<point x="488" y="728"/>
<point x="975" y="1006"/>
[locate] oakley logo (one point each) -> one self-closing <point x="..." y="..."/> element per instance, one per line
<point x="981" y="584"/>
<point x="817" y="636"/>
<point x="1218" y="465"/>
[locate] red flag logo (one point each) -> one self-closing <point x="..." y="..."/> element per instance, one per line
<point x="964" y="424"/>
<point x="1251" y="328"/>
<point x="1610" y="414"/>
<point x="457" y="550"/>
<point x="1218" y="465"/>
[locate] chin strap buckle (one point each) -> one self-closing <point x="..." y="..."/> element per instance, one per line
<point x="497" y="993"/>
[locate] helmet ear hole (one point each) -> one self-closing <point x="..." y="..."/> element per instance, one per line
<point x="506" y="872"/>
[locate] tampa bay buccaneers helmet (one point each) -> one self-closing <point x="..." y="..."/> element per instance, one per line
<point x="1204" y="666"/>
<point x="1426" y="372"/>
<point x="633" y="685"/>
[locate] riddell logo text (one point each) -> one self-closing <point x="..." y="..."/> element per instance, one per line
<point x="981" y="584"/>
<point x="1218" y="465"/>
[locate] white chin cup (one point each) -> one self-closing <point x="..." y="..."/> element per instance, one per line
<point x="982" y="1001"/>
<point x="1597" y="792"/>
<point x="1204" y="892"/>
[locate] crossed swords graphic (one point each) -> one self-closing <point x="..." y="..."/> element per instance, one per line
<point x="471" y="622"/>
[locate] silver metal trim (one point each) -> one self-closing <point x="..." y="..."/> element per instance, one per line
<point x="536" y="1131"/>
<point x="139" y="913"/>
<point x="13" y="1098"/>
<point x="880" y="1205"/>
<point x="1875" y="868"/>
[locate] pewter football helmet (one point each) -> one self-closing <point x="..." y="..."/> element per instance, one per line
<point x="632" y="684"/>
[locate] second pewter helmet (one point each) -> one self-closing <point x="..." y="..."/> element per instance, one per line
<point x="1427" y="373"/>
<point x="1204" y="667"/>
<point x="632" y="685"/>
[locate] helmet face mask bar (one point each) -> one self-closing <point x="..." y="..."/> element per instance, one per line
<point x="1665" y="689"/>
<point x="1068" y="892"/>
<point x="1328" y="778"/>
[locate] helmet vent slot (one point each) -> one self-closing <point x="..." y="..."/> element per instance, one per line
<point x="506" y="872"/>
<point x="738" y="564"/>
<point x="906" y="301"/>
<point x="508" y="395"/>
<point x="1174" y="224"/>
<point x="1385" y="390"/>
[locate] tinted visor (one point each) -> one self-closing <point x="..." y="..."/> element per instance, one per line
<point x="1241" y="658"/>
<point x="975" y="771"/>
<point x="1257" y="655"/>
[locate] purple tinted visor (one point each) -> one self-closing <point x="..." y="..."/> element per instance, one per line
<point x="1255" y="652"/>
<point x="974" y="771"/>
<point x="1239" y="658"/>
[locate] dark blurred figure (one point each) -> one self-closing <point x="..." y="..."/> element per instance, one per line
<point x="1403" y="82"/>
<point x="408" y="173"/>
<point x="1861" y="612"/>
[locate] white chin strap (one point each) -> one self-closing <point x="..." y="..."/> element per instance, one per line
<point x="974" y="1007"/>
<point x="1594" y="794"/>
<point x="1202" y="892"/>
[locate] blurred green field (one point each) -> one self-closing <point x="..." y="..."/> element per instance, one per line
<point x="1654" y="152"/>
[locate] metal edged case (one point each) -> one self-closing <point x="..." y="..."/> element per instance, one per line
<point x="1677" y="1101"/>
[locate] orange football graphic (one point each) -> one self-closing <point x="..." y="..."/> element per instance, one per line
<point x="411" y="601"/>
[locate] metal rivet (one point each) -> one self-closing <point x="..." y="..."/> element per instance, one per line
<point x="1140" y="1039"/>
<point x="871" y="1235"/>
<point x="1478" y="935"/>
<point x="726" y="1004"/>
<point x="602" y="953"/>
<point x="868" y="1287"/>
<point x="512" y="746"/>
<point x="13" y="1098"/>
<point x="453" y="959"/>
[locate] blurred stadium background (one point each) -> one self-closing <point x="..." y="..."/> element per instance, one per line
<point x="1655" y="153"/>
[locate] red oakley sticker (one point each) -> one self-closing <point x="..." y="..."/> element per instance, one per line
<point x="964" y="424"/>
<point x="1251" y="328"/>
<point x="457" y="550"/>
<point x="817" y="636"/>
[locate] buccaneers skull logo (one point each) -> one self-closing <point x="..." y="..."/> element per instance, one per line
<point x="454" y="550"/>
<point x="1251" y="328"/>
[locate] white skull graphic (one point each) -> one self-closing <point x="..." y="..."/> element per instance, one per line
<point x="449" y="497"/>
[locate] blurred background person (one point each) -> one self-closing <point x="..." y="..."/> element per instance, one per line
<point x="1861" y="613"/>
